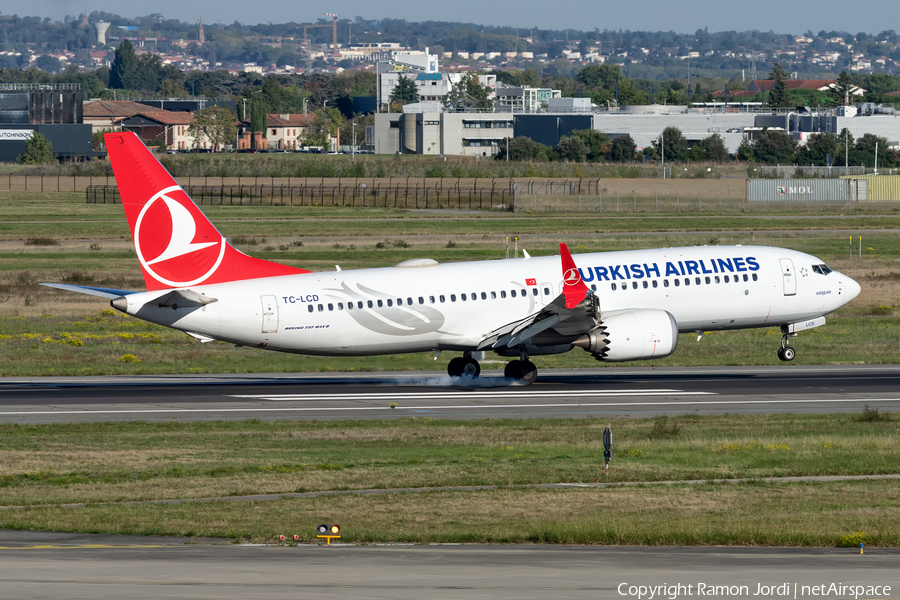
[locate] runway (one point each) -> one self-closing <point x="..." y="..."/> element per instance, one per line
<point x="53" y="565"/>
<point x="603" y="392"/>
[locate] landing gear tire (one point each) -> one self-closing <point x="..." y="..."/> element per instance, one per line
<point x="787" y="353"/>
<point x="523" y="371"/>
<point x="464" y="366"/>
<point x="456" y="366"/>
<point x="471" y="368"/>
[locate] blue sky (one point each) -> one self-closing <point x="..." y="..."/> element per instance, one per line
<point x="686" y="16"/>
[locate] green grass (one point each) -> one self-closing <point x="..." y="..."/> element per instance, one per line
<point x="150" y="461"/>
<point x="93" y="344"/>
<point x="48" y="465"/>
<point x="692" y="515"/>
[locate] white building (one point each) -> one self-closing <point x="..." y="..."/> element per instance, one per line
<point x="422" y="68"/>
<point x="512" y="98"/>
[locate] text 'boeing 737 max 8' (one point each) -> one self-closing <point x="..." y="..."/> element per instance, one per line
<point x="618" y="306"/>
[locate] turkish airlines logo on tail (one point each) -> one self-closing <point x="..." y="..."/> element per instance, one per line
<point x="572" y="277"/>
<point x="168" y="244"/>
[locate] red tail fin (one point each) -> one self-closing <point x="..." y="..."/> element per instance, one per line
<point x="176" y="244"/>
<point x="574" y="289"/>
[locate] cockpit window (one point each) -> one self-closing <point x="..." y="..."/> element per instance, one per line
<point x="821" y="269"/>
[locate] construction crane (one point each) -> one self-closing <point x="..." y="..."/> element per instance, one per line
<point x="334" y="19"/>
<point x="305" y="27"/>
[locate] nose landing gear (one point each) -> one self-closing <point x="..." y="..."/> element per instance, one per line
<point x="786" y="353"/>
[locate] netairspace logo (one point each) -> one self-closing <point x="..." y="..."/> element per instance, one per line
<point x="776" y="590"/>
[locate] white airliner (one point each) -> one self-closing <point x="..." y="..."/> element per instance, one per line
<point x="619" y="306"/>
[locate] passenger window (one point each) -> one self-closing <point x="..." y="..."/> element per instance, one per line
<point x="369" y="303"/>
<point x="708" y="280"/>
<point x="547" y="291"/>
<point x="452" y="297"/>
<point x="665" y="283"/>
<point x="442" y="298"/>
<point x="655" y="284"/>
<point x="483" y="296"/>
<point x="687" y="281"/>
<point x="390" y="302"/>
<point x="359" y="304"/>
<point x="380" y="304"/>
<point x="634" y="285"/>
<point x="717" y="279"/>
<point x="431" y="299"/>
<point x="409" y="301"/>
<point x="613" y="287"/>
<point x="697" y="280"/>
<point x="340" y="306"/>
<point x="493" y="295"/>
<point x="646" y="285"/>
<point x="330" y="307"/>
<point x="474" y="295"/>
<point x="745" y="277"/>
<point x="503" y="293"/>
<point x="462" y="297"/>
<point x="349" y="306"/>
<point x="310" y="308"/>
<point x="755" y="277"/>
<point x="512" y="293"/>
<point x="726" y="279"/>
<point x="534" y="291"/>
<point x="421" y="300"/>
<point x="593" y="288"/>
<point x="321" y="308"/>
<point x="677" y="282"/>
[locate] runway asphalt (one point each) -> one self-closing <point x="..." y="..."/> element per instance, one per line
<point x="600" y="392"/>
<point x="53" y="565"/>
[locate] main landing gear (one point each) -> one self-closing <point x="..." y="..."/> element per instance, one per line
<point x="786" y="353"/>
<point x="522" y="371"/>
<point x="464" y="365"/>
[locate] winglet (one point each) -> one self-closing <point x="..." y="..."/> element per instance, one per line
<point x="574" y="289"/>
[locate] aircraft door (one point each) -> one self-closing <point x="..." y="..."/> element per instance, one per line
<point x="269" y="314"/>
<point x="789" y="277"/>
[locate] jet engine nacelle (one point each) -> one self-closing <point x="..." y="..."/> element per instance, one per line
<point x="638" y="334"/>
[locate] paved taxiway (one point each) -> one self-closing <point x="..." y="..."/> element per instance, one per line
<point x="52" y="565"/>
<point x="561" y="393"/>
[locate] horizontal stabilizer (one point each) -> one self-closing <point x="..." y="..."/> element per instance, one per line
<point x="183" y="299"/>
<point x="93" y="291"/>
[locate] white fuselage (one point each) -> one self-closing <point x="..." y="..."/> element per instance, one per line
<point x="455" y="306"/>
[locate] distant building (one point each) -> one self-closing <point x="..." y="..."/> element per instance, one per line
<point x="168" y="126"/>
<point x="821" y="85"/>
<point x="512" y="98"/>
<point x="422" y="68"/>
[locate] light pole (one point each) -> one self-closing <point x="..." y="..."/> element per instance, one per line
<point x="353" y="148"/>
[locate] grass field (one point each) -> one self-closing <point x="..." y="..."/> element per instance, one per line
<point x="57" y="237"/>
<point x="45" y="466"/>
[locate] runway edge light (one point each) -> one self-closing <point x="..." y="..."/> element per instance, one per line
<point x="328" y="532"/>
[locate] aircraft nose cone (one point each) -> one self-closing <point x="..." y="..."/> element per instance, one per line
<point x="852" y="289"/>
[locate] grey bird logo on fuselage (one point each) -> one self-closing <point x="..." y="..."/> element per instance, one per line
<point x="415" y="319"/>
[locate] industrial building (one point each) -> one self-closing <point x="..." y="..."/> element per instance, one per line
<point x="53" y="110"/>
<point x="425" y="128"/>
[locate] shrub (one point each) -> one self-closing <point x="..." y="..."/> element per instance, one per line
<point x="873" y="415"/>
<point x="662" y="427"/>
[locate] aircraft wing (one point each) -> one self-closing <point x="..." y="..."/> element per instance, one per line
<point x="574" y="312"/>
